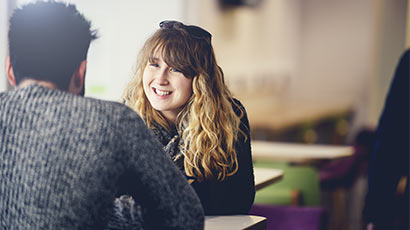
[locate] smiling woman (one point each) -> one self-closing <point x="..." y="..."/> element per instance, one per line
<point x="179" y="91"/>
<point x="166" y="88"/>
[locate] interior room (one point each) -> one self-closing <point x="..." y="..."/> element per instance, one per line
<point x="313" y="76"/>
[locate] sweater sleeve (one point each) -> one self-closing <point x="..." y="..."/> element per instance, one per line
<point x="168" y="201"/>
<point x="234" y="195"/>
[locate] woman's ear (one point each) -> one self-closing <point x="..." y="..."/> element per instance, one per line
<point x="77" y="80"/>
<point x="10" y="72"/>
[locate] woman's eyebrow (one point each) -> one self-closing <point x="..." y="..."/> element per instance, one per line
<point x="153" y="59"/>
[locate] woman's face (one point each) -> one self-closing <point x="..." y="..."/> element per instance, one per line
<point x="166" y="88"/>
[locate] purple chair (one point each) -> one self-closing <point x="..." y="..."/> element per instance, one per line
<point x="342" y="173"/>
<point x="290" y="217"/>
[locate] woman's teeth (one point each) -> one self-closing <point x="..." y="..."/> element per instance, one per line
<point x="162" y="93"/>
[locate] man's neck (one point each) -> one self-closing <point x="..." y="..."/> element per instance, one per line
<point x="28" y="82"/>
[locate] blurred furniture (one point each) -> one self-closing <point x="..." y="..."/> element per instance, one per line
<point x="299" y="190"/>
<point x="331" y="129"/>
<point x="290" y="218"/>
<point x="343" y="172"/>
<point x="263" y="178"/>
<point x="299" y="186"/>
<point x="266" y="176"/>
<point x="343" y="184"/>
<point x="235" y="222"/>
<point x="298" y="153"/>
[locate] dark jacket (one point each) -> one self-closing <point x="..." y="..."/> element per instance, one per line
<point x="390" y="158"/>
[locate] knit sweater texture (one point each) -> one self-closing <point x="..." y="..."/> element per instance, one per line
<point x="64" y="159"/>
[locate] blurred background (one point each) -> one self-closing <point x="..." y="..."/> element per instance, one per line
<point x="307" y="71"/>
<point x="313" y="71"/>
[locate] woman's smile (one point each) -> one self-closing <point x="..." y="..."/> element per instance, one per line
<point x="166" y="88"/>
<point x="161" y="93"/>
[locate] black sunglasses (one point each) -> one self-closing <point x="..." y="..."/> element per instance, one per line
<point x="193" y="31"/>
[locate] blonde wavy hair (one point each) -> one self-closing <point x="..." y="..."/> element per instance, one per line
<point x="207" y="124"/>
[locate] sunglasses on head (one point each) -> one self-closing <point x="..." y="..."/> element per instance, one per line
<point x="193" y="31"/>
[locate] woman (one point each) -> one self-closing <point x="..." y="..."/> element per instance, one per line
<point x="179" y="91"/>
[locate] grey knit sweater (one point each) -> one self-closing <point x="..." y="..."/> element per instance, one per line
<point x="64" y="158"/>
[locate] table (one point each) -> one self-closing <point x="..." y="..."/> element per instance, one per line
<point x="235" y="222"/>
<point x="298" y="153"/>
<point x="266" y="176"/>
<point x="263" y="178"/>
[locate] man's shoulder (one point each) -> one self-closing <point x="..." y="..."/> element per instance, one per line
<point x="62" y="105"/>
<point x="103" y="104"/>
<point x="111" y="109"/>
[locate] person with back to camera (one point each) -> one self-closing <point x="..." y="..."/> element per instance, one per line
<point x="384" y="209"/>
<point x="64" y="157"/>
<point x="179" y="91"/>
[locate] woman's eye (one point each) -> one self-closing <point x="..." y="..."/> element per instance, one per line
<point x="175" y="70"/>
<point x="153" y="64"/>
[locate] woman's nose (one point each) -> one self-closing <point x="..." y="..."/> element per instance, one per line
<point x="162" y="77"/>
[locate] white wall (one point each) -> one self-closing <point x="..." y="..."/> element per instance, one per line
<point x="408" y="26"/>
<point x="258" y="48"/>
<point x="390" y="34"/>
<point x="336" y="57"/>
<point x="3" y="42"/>
<point x="123" y="27"/>
<point x="292" y="61"/>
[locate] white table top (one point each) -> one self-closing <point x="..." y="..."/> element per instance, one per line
<point x="266" y="176"/>
<point x="279" y="151"/>
<point x="235" y="222"/>
<point x="263" y="177"/>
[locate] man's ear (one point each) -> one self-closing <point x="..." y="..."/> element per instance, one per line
<point x="10" y="72"/>
<point x="77" y="80"/>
